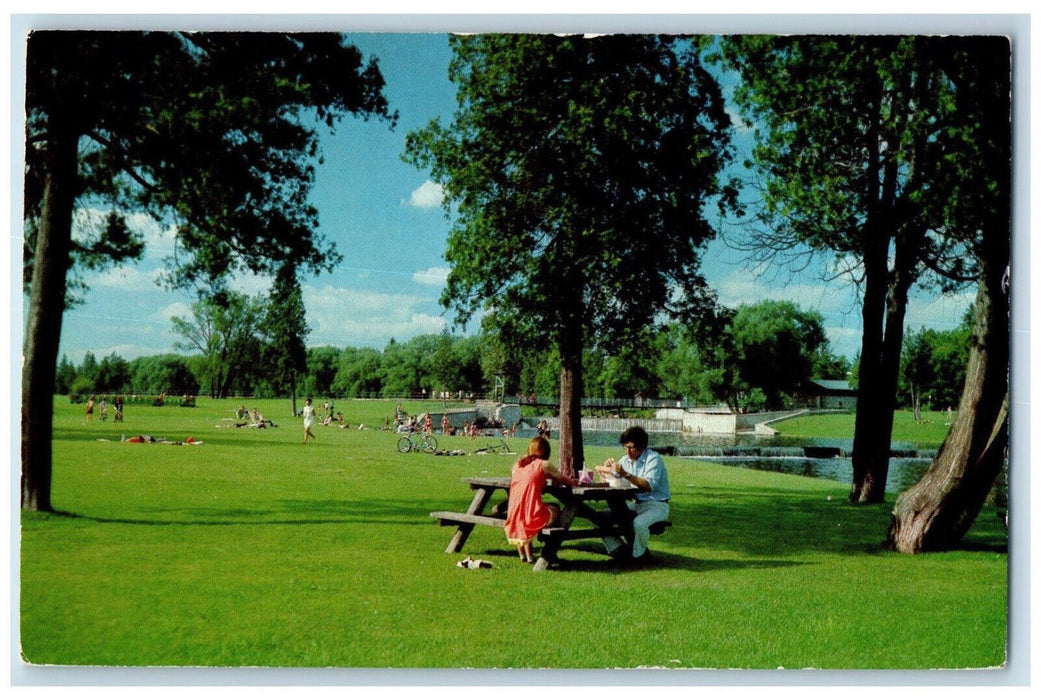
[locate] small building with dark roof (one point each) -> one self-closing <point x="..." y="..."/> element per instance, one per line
<point x="830" y="393"/>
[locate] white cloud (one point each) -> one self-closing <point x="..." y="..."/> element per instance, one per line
<point x="136" y="278"/>
<point x="251" y="284"/>
<point x="433" y="276"/>
<point x="427" y="196"/>
<point x="743" y="288"/>
<point x="159" y="240"/>
<point x="87" y="223"/>
<point x="350" y="317"/>
<point x="125" y="278"/>
<point x="844" y="340"/>
<point x="942" y="312"/>
<point x="836" y="302"/>
<point x="122" y="327"/>
<point x="132" y="276"/>
<point x="839" y="304"/>
<point x="178" y="308"/>
<point x="128" y="351"/>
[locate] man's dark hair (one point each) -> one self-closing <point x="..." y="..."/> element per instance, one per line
<point x="636" y="435"/>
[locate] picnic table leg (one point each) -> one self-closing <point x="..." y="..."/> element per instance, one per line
<point x="543" y="563"/>
<point x="622" y="518"/>
<point x="459" y="538"/>
<point x="480" y="500"/>
<point x="552" y="543"/>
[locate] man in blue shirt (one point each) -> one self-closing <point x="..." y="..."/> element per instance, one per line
<point x="644" y="469"/>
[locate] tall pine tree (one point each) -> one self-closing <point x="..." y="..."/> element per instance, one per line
<point x="284" y="328"/>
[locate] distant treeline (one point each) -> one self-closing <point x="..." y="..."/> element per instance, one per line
<point x="744" y="368"/>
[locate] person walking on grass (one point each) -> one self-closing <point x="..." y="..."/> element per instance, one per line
<point x="308" y="414"/>
<point x="643" y="468"/>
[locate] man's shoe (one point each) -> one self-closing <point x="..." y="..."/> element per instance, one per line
<point x="642" y="560"/>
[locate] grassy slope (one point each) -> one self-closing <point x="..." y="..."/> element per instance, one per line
<point x="928" y="433"/>
<point x="255" y="550"/>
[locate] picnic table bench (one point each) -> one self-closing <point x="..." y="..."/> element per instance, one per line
<point x="576" y="501"/>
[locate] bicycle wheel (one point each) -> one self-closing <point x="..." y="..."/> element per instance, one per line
<point x="429" y="443"/>
<point x="404" y="444"/>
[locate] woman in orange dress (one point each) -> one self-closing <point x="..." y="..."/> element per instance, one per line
<point x="526" y="514"/>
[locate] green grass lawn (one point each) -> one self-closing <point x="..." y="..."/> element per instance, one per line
<point x="924" y="434"/>
<point x="252" y="549"/>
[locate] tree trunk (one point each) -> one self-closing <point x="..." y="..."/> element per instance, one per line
<point x="867" y="456"/>
<point x="889" y="377"/>
<point x="226" y="383"/>
<point x="936" y="512"/>
<point x="43" y="325"/>
<point x="571" y="391"/>
<point x="874" y="432"/>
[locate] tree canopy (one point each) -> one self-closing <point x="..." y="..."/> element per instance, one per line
<point x="224" y="332"/>
<point x="932" y="368"/>
<point x="578" y="173"/>
<point x="869" y="147"/>
<point x="937" y="511"/>
<point x="215" y="133"/>
<point x="775" y="345"/>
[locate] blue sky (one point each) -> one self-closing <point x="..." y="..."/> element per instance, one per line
<point x="386" y="220"/>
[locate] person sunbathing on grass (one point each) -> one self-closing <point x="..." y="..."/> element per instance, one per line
<point x="161" y="441"/>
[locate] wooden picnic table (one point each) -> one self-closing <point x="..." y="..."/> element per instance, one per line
<point x="577" y="502"/>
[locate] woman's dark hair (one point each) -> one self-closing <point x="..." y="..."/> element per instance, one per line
<point x="636" y="435"/>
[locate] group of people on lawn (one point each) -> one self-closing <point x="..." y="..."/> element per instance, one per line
<point x="251" y="418"/>
<point x="641" y="466"/>
<point x="117" y="405"/>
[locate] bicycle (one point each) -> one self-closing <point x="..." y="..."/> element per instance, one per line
<point x="495" y="448"/>
<point x="408" y="443"/>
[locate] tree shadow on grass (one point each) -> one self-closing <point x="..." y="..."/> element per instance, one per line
<point x="994" y="546"/>
<point x="660" y="560"/>
<point x="762" y="524"/>
<point x="673" y="562"/>
<point x="767" y="525"/>
<point x="793" y="523"/>
<point x="287" y="512"/>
